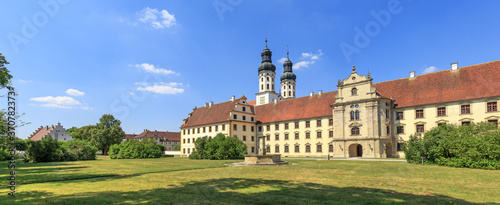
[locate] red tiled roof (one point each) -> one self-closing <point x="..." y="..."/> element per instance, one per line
<point x="298" y="108"/>
<point x="166" y="136"/>
<point x="211" y="114"/>
<point x="129" y="136"/>
<point x="253" y="102"/>
<point x="40" y="133"/>
<point x="469" y="82"/>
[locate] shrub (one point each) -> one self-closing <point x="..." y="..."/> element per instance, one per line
<point x="134" y="149"/>
<point x="473" y="146"/>
<point x="220" y="147"/>
<point x="51" y="150"/>
<point x="4" y="154"/>
<point x="176" y="147"/>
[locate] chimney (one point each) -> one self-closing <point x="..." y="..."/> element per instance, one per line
<point x="206" y="104"/>
<point x="232" y="98"/>
<point x="311" y="94"/>
<point x="320" y="92"/>
<point x="145" y="130"/>
<point x="211" y="103"/>
<point x="454" y="66"/>
<point x="275" y="101"/>
<point x="412" y="74"/>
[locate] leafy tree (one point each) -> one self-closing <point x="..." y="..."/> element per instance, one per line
<point x="107" y="133"/>
<point x="82" y="133"/>
<point x="176" y="147"/>
<point x="5" y="76"/>
<point x="220" y="147"/>
<point x="80" y="150"/>
<point x="45" y="150"/>
<point x="134" y="149"/>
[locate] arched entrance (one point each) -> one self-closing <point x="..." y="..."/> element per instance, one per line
<point x="355" y="150"/>
<point x="388" y="149"/>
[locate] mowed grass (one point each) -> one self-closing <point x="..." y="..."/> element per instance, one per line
<point x="184" y="181"/>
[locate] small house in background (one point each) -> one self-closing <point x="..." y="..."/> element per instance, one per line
<point x="167" y="139"/>
<point x="57" y="132"/>
<point x="129" y="137"/>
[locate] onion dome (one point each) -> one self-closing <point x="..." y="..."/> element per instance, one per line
<point x="288" y="70"/>
<point x="267" y="63"/>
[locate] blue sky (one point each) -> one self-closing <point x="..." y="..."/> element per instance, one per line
<point x="150" y="62"/>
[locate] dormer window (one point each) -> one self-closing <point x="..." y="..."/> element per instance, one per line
<point x="354" y="91"/>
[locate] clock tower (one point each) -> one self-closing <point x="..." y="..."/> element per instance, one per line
<point x="267" y="73"/>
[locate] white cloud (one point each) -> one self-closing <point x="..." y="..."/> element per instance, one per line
<point x="281" y="60"/>
<point x="430" y="69"/>
<point x="59" y="100"/>
<point x="302" y="64"/>
<point x="57" y="106"/>
<point x="161" y="88"/>
<point x="157" y="19"/>
<point x="74" y="92"/>
<point x="24" y="81"/>
<point x="152" y="69"/>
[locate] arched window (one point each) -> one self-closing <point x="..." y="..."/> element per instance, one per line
<point x="273" y="86"/>
<point x="284" y="87"/>
<point x="357" y="115"/>
<point x="289" y="87"/>
<point x="268" y="86"/>
<point x="354" y="91"/>
<point x="262" y="79"/>
<point x="289" y="93"/>
<point x="262" y="87"/>
<point x="355" y="131"/>
<point x="352" y="115"/>
<point x="267" y="79"/>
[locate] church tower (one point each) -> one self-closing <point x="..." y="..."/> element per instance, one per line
<point x="288" y="80"/>
<point x="267" y="73"/>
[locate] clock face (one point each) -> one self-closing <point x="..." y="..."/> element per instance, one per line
<point x="262" y="100"/>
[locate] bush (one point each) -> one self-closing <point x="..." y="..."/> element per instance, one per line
<point x="176" y="147"/>
<point x="134" y="149"/>
<point x="51" y="150"/>
<point x="4" y="154"/>
<point x="220" y="147"/>
<point x="473" y="146"/>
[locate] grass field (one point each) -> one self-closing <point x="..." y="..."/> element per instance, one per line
<point x="183" y="181"/>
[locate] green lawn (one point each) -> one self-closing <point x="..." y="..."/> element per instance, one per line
<point x="180" y="180"/>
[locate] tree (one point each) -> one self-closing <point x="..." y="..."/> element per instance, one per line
<point x="134" y="149"/>
<point x="220" y="147"/>
<point x="177" y="147"/>
<point x="106" y="133"/>
<point x="5" y="82"/>
<point x="82" y="133"/>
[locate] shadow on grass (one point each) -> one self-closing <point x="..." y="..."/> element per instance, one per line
<point x="241" y="191"/>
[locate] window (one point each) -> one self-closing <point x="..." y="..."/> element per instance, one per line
<point x="319" y="148"/>
<point x="268" y="149"/>
<point x="441" y="124"/>
<point x="400" y="146"/>
<point x="399" y="116"/>
<point x="330" y="134"/>
<point x="352" y="115"/>
<point x="244" y="109"/>
<point x="267" y="86"/>
<point x="296" y="125"/>
<point x="441" y="111"/>
<point x="296" y="136"/>
<point x="494" y="122"/>
<point x="268" y="137"/>
<point x="244" y="117"/>
<point x="277" y="127"/>
<point x="466" y="123"/>
<point x="223" y="127"/>
<point x="419" y="113"/>
<point x="355" y="131"/>
<point x="297" y="148"/>
<point x="203" y="129"/>
<point x="253" y="138"/>
<point x="357" y="114"/>
<point x="210" y="129"/>
<point x="244" y="128"/>
<point x="252" y="129"/>
<point x="189" y="131"/>
<point x="318" y="134"/>
<point x="388" y="130"/>
<point x="308" y="124"/>
<point x="189" y="140"/>
<point x="268" y="128"/>
<point x="465" y="109"/>
<point x="308" y="135"/>
<point x="330" y="148"/>
<point x="252" y="119"/>
<point x="420" y="128"/>
<point x="318" y="123"/>
<point x="260" y="128"/>
<point x="235" y="136"/>
<point x="286" y="149"/>
<point x="253" y="149"/>
<point x="308" y="148"/>
<point x="330" y="122"/>
<point x="286" y="136"/>
<point x="491" y="107"/>
<point x="198" y="130"/>
<point x="184" y="132"/>
<point x="277" y="137"/>
<point x="286" y="126"/>
<point x="184" y="150"/>
<point x="277" y="149"/>
<point x="400" y="129"/>
<point x="216" y="128"/>
<point x="234" y="117"/>
<point x="183" y="141"/>
<point x="354" y="91"/>
<point x="235" y="127"/>
<point x="387" y="113"/>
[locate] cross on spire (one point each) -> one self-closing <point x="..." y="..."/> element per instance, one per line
<point x="287" y="51"/>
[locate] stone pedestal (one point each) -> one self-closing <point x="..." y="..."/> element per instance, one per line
<point x="260" y="159"/>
